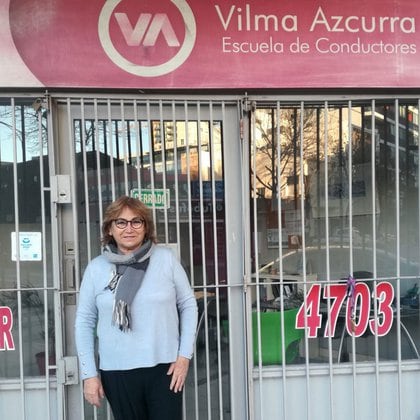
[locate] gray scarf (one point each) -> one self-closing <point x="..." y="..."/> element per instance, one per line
<point x="126" y="280"/>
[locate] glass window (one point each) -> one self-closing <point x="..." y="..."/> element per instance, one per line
<point x="334" y="191"/>
<point x="199" y="174"/>
<point x="26" y="310"/>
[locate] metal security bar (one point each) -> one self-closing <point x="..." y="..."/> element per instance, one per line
<point x="335" y="257"/>
<point x="27" y="290"/>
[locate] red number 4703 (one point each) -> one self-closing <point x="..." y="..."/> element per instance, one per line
<point x="380" y="321"/>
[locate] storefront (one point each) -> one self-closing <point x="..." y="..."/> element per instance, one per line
<point x="296" y="215"/>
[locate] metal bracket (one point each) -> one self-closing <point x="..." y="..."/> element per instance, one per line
<point x="248" y="105"/>
<point x="40" y="103"/>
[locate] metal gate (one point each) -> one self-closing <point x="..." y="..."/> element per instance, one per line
<point x="29" y="270"/>
<point x="171" y="154"/>
<point x="296" y="219"/>
<point x="333" y="258"/>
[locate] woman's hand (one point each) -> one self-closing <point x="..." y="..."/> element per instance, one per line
<point x="93" y="391"/>
<point x="178" y="370"/>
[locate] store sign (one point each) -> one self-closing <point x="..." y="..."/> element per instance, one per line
<point x="210" y="44"/>
<point x="156" y="198"/>
<point x="6" y="325"/>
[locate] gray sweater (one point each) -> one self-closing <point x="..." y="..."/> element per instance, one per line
<point x="164" y="317"/>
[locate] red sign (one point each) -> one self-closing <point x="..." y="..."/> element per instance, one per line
<point x="210" y="43"/>
<point x="6" y="325"/>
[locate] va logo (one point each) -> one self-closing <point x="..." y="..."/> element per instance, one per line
<point x="141" y="33"/>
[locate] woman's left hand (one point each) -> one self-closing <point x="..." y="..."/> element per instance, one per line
<point x="178" y="370"/>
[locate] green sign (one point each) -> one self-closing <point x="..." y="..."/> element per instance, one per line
<point x="156" y="198"/>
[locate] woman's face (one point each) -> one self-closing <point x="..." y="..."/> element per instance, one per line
<point x="128" y="238"/>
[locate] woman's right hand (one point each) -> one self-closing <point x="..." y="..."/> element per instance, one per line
<point x="93" y="391"/>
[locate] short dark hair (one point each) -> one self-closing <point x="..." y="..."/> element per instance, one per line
<point x="114" y="210"/>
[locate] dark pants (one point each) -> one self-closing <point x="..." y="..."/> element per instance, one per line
<point x="142" y="394"/>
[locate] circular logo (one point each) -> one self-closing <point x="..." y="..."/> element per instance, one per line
<point x="146" y="30"/>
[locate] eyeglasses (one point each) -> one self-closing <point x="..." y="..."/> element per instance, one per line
<point x="135" y="223"/>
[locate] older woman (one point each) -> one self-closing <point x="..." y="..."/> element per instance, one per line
<point x="138" y="298"/>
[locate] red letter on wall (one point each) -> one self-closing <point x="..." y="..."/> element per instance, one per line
<point x="6" y="324"/>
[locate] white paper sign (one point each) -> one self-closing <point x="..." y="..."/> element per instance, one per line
<point x="29" y="247"/>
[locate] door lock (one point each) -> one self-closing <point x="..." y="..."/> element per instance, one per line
<point x="68" y="370"/>
<point x="61" y="189"/>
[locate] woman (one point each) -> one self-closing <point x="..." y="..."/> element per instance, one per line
<point x="137" y="298"/>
